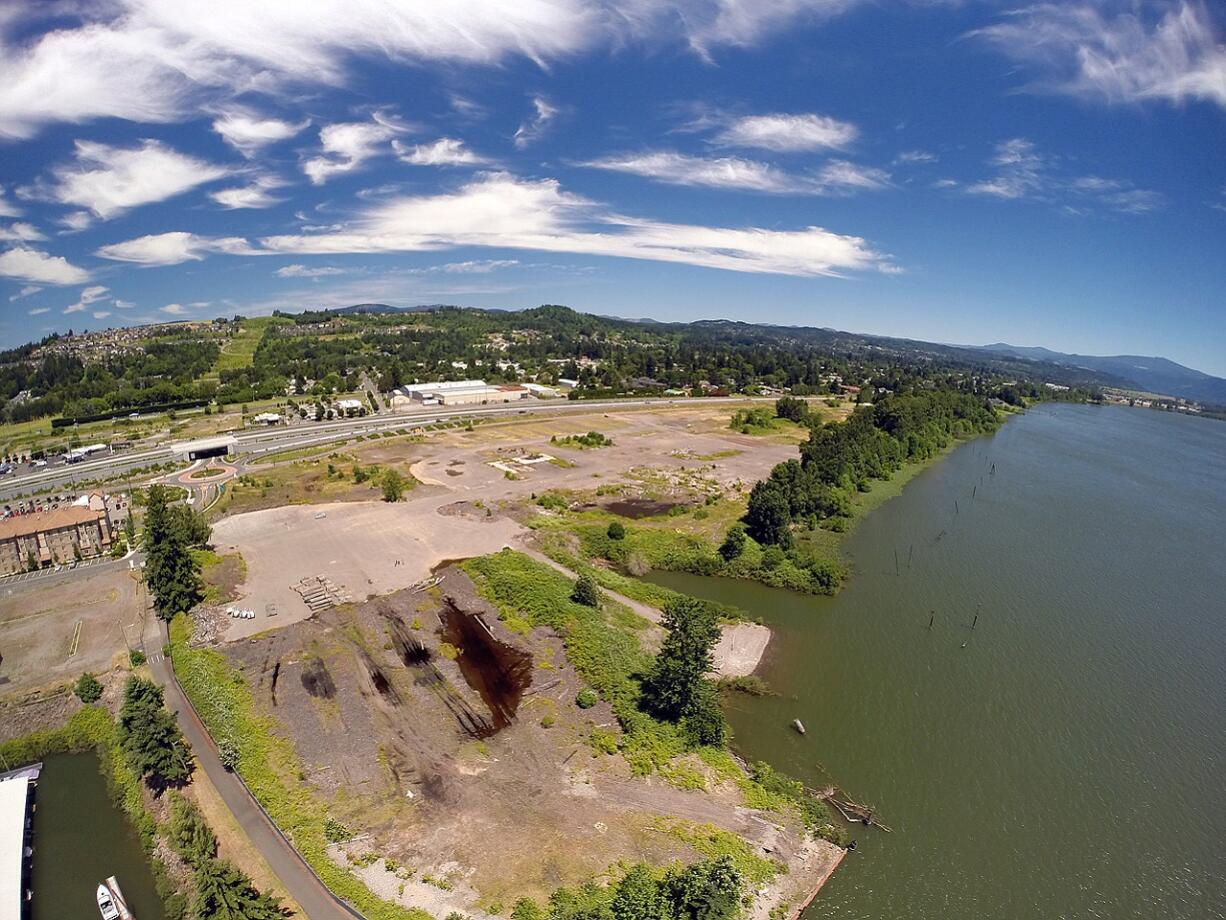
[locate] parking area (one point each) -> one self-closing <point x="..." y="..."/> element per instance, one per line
<point x="52" y="629"/>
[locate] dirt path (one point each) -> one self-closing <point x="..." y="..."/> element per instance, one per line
<point x="741" y="645"/>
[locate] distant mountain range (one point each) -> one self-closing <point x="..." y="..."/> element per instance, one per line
<point x="1152" y="374"/>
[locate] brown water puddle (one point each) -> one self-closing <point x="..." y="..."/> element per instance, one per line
<point x="635" y="508"/>
<point x="498" y="672"/>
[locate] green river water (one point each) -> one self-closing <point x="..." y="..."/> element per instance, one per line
<point x="1065" y="758"/>
<point x="81" y="838"/>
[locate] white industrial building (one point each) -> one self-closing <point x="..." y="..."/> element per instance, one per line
<point x="459" y="393"/>
<point x="350" y="407"/>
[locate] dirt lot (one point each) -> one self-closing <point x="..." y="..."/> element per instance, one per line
<point x="470" y="769"/>
<point x="371" y="548"/>
<point x="51" y="634"/>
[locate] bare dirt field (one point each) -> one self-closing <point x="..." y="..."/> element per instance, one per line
<point x="51" y="634"/>
<point x="456" y="747"/>
<point x="371" y="548"/>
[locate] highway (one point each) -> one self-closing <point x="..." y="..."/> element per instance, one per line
<point x="252" y="443"/>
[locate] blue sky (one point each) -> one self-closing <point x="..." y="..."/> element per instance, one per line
<point x="965" y="172"/>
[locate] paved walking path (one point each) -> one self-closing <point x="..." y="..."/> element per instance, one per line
<point x="294" y="874"/>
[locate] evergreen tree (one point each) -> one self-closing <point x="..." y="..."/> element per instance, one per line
<point x="150" y="737"/>
<point x="190" y="835"/>
<point x="224" y="892"/>
<point x="170" y="570"/>
<point x="88" y="690"/>
<point x="684" y="659"/>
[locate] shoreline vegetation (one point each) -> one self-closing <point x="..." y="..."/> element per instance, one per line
<point x="789" y="533"/>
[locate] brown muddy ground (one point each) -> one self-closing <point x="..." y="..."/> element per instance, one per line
<point x="483" y="779"/>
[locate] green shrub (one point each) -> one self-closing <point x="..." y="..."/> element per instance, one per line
<point x="587" y="698"/>
<point x="87" y="688"/>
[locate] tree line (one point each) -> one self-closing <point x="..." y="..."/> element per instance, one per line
<point x="841" y="458"/>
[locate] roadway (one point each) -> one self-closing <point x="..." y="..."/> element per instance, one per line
<point x="252" y="443"/>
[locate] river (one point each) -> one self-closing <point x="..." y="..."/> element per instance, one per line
<point x="81" y="838"/>
<point x="1065" y="757"/>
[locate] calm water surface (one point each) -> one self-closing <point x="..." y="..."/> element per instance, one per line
<point x="1070" y="760"/>
<point x="80" y="839"/>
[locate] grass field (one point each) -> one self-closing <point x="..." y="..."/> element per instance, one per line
<point x="239" y="352"/>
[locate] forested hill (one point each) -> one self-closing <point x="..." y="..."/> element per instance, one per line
<point x="1151" y="374"/>
<point x="321" y="352"/>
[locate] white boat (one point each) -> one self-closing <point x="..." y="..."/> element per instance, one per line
<point x="106" y="904"/>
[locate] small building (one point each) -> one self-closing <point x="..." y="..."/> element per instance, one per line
<point x="53" y="537"/>
<point x="267" y="418"/>
<point x="540" y="391"/>
<point x="350" y="407"/>
<point x="567" y="384"/>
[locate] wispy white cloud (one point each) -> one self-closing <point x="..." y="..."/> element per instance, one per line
<point x="502" y="211"/>
<point x="75" y="221"/>
<point x="90" y="295"/>
<point x="154" y="61"/>
<point x="304" y="271"/>
<point x="707" y="25"/>
<point x="174" y="309"/>
<point x="476" y="266"/>
<point x="1117" y="52"/>
<point x="1023" y="172"/>
<point x="101" y="314"/>
<point x="26" y="291"/>
<point x="7" y="208"/>
<point x="784" y="133"/>
<point x="248" y="132"/>
<point x="172" y="248"/>
<point x="345" y="147"/>
<point x="532" y="128"/>
<point x="915" y="156"/>
<point x="39" y="311"/>
<point x="256" y="194"/>
<point x="844" y="177"/>
<point x="446" y="151"/>
<point x="110" y="180"/>
<point x="123" y="304"/>
<point x="1020" y="170"/>
<point x="27" y="264"/>
<point x="739" y="174"/>
<point x="20" y="231"/>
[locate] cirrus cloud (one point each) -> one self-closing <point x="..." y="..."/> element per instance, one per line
<point x="1130" y="56"/>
